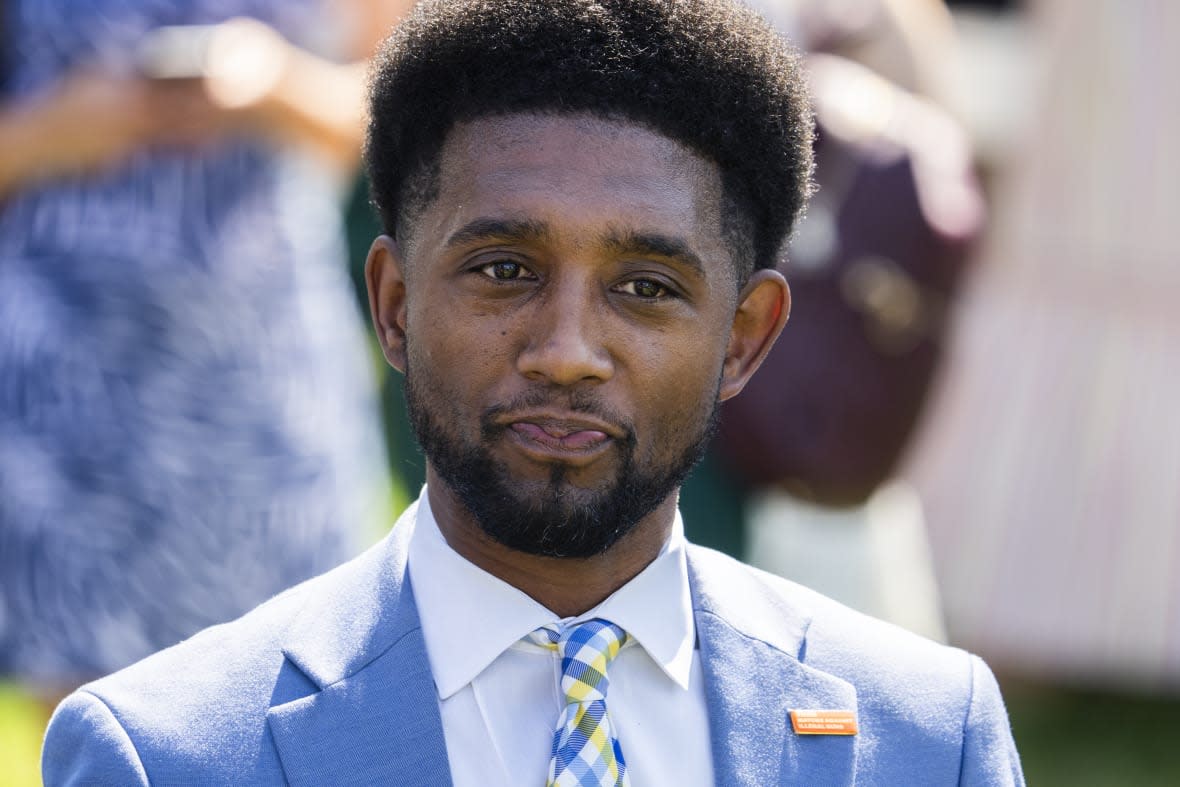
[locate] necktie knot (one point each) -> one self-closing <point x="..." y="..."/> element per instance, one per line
<point x="586" y="650"/>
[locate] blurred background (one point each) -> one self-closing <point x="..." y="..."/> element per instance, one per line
<point x="965" y="428"/>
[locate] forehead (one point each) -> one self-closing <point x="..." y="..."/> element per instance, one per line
<point x="572" y="149"/>
<point x="580" y="176"/>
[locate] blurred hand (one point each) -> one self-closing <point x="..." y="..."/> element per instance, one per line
<point x="256" y="82"/>
<point x="235" y="88"/>
<point x="245" y="62"/>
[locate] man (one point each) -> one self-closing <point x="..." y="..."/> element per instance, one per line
<point x="584" y="202"/>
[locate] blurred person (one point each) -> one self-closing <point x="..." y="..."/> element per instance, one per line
<point x="1051" y="459"/>
<point x="818" y="437"/>
<point x="578" y="268"/>
<point x="185" y="399"/>
<point x="810" y="455"/>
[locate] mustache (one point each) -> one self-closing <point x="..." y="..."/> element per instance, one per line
<point x="578" y="401"/>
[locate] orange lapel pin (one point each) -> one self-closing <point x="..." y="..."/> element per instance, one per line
<point x="824" y="722"/>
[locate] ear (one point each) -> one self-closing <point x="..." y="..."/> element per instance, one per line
<point x="763" y="307"/>
<point x="385" y="277"/>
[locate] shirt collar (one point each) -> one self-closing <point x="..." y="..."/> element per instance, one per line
<point x="463" y="638"/>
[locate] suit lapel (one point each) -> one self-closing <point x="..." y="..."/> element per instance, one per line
<point x="750" y="641"/>
<point x="380" y="726"/>
<point x="375" y="717"/>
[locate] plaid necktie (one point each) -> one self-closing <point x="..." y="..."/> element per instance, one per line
<point x="585" y="750"/>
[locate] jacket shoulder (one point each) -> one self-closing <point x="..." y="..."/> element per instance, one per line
<point x="198" y="707"/>
<point x="913" y="694"/>
<point x="815" y="629"/>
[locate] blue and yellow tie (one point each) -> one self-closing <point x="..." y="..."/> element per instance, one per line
<point x="585" y="750"/>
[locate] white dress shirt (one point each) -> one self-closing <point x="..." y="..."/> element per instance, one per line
<point x="499" y="694"/>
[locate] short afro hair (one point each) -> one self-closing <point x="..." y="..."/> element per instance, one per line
<point x="709" y="74"/>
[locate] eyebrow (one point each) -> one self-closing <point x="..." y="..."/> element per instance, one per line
<point x="655" y="244"/>
<point x="619" y="241"/>
<point x="483" y="229"/>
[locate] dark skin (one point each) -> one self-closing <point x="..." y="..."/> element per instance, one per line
<point x="570" y="257"/>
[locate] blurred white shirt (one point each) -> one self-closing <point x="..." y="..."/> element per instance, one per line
<point x="500" y="696"/>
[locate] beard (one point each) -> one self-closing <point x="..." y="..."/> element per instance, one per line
<point x="562" y="519"/>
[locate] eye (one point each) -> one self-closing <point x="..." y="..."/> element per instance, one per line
<point x="645" y="288"/>
<point x="505" y="270"/>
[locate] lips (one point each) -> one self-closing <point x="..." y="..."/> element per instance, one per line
<point x="547" y="437"/>
<point x="560" y="436"/>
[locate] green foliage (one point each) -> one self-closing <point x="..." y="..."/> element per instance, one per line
<point x="1092" y="739"/>
<point x="22" y="722"/>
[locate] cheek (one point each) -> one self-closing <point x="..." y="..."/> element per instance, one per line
<point x="689" y="366"/>
<point x="679" y="392"/>
<point x="461" y="356"/>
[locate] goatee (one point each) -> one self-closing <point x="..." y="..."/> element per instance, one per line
<point x="563" y="520"/>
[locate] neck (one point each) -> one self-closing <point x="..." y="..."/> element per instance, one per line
<point x="565" y="586"/>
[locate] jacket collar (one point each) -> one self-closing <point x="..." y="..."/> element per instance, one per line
<point x="752" y="639"/>
<point x="359" y="637"/>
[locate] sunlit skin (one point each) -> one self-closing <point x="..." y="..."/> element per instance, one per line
<point x="570" y="257"/>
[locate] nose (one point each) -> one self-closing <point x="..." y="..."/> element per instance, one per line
<point x="565" y="341"/>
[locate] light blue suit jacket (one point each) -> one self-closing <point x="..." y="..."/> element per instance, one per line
<point x="329" y="683"/>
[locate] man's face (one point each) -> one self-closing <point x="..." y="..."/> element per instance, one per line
<point x="568" y="305"/>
